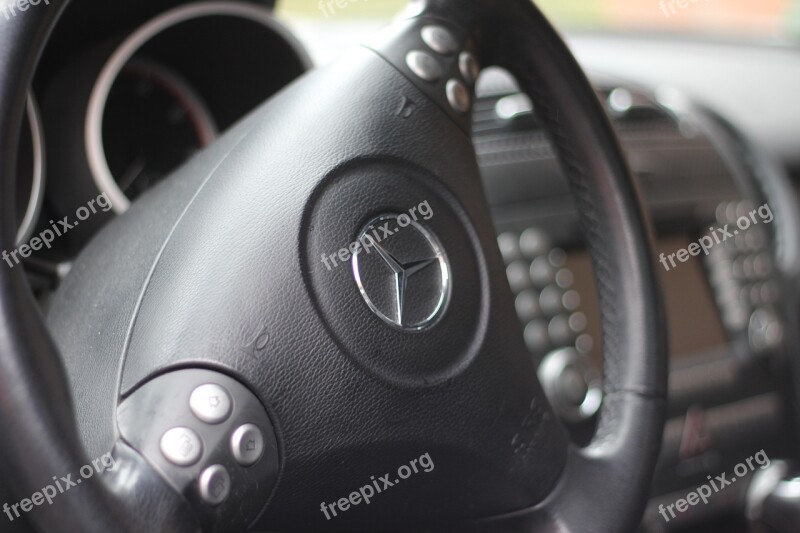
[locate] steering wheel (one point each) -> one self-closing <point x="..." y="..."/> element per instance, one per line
<point x="318" y="299"/>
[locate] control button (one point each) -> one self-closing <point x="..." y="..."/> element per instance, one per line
<point x="518" y="277"/>
<point x="181" y="446"/>
<point x="509" y="247"/>
<point x="550" y="300"/>
<point x="565" y="278"/>
<point x="527" y="305"/>
<point x="557" y="257"/>
<point x="577" y="322"/>
<point x="572" y="384"/>
<point x="765" y="330"/>
<point x="459" y="96"/>
<point x="542" y="272"/>
<point x="247" y="444"/>
<point x="469" y="67"/>
<point x="424" y="65"/>
<point x="762" y="265"/>
<point x="584" y="344"/>
<point x="214" y="484"/>
<point x="536" y="337"/>
<point x="571" y="300"/>
<point x="559" y="331"/>
<point x="439" y="40"/>
<point x="533" y="242"/>
<point x="210" y="403"/>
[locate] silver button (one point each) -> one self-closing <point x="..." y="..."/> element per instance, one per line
<point x="533" y="242"/>
<point x="578" y="322"/>
<point x="247" y="444"/>
<point x="518" y="277"/>
<point x="527" y="305"/>
<point x="210" y="403"/>
<point x="440" y="40"/>
<point x="215" y="485"/>
<point x="565" y="278"/>
<point x="469" y="67"/>
<point x="584" y="343"/>
<point x="542" y="272"/>
<point x="550" y="300"/>
<point x="458" y="95"/>
<point x="424" y="65"/>
<point x="536" y="337"/>
<point x="559" y="331"/>
<point x="571" y="300"/>
<point x="181" y="446"/>
<point x="509" y="247"/>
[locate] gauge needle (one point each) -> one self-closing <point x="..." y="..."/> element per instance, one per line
<point x="132" y="173"/>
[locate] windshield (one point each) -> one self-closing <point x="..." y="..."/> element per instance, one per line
<point x="741" y="19"/>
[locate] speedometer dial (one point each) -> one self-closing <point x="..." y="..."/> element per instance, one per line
<point x="145" y="103"/>
<point x="153" y="122"/>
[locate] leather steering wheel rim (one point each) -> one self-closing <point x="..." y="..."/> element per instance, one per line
<point x="36" y="405"/>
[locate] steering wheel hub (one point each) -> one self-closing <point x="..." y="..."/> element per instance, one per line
<point x="408" y="304"/>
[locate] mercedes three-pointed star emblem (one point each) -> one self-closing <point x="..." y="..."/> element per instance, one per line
<point x="404" y="277"/>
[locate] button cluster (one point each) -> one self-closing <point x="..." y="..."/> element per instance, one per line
<point x="545" y="301"/>
<point x="181" y="446"/>
<point x="211" y="437"/>
<point x="741" y="273"/>
<point x="442" y="48"/>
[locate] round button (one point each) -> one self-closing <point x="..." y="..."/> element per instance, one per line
<point x="571" y="384"/>
<point x="247" y="444"/>
<point x="469" y="67"/>
<point x="424" y="65"/>
<point x="527" y="305"/>
<point x="214" y="485"/>
<point x="542" y="272"/>
<point x="571" y="300"/>
<point x="518" y="278"/>
<point x="439" y="40"/>
<point x="550" y="300"/>
<point x="565" y="278"/>
<point x="559" y="331"/>
<point x="536" y="337"/>
<point x="181" y="446"/>
<point x="458" y="95"/>
<point x="509" y="247"/>
<point x="210" y="403"/>
<point x="533" y="242"/>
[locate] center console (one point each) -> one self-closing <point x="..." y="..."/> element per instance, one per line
<point x="717" y="252"/>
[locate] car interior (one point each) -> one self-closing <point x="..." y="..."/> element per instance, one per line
<point x="400" y="266"/>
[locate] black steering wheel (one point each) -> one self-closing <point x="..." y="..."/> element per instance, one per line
<point x="318" y="299"/>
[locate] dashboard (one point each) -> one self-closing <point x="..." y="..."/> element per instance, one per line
<point x="112" y="114"/>
<point x="730" y="387"/>
<point x="111" y="117"/>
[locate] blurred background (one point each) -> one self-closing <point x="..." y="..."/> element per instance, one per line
<point x="759" y="20"/>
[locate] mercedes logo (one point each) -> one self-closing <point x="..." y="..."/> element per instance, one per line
<point x="402" y="272"/>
